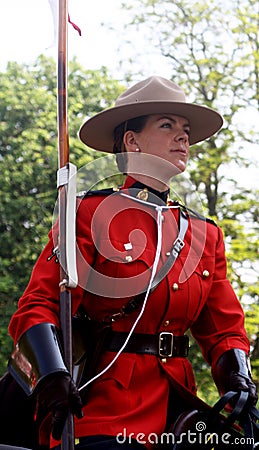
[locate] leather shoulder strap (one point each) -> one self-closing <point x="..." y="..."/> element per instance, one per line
<point x="178" y="244"/>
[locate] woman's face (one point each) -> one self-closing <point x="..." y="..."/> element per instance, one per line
<point x="166" y="137"/>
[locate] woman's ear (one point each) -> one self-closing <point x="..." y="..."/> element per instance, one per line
<point x="129" y="140"/>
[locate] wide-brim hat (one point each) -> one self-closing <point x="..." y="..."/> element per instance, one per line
<point x="155" y="95"/>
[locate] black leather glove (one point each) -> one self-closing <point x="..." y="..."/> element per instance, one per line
<point x="232" y="373"/>
<point x="57" y="394"/>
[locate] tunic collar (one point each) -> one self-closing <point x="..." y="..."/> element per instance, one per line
<point x="144" y="192"/>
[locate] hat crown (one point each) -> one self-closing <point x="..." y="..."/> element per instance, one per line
<point x="153" y="89"/>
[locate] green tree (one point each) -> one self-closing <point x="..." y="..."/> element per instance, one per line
<point x="28" y="163"/>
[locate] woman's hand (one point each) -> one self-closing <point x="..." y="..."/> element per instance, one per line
<point x="232" y="373"/>
<point x="57" y="394"/>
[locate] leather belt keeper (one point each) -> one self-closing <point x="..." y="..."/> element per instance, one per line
<point x="164" y="344"/>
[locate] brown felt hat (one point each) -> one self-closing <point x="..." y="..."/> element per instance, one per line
<point x="155" y="95"/>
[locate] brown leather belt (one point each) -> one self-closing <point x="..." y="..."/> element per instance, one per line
<point x="164" y="344"/>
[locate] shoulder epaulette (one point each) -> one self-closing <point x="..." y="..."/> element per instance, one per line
<point x="196" y="215"/>
<point x="99" y="192"/>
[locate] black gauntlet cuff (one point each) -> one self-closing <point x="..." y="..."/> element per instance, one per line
<point x="36" y="355"/>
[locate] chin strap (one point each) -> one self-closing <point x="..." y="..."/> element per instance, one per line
<point x="36" y="355"/>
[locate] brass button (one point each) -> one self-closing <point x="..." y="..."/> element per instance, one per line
<point x="164" y="360"/>
<point x="168" y="253"/>
<point x="206" y="273"/>
<point x="162" y="218"/>
<point x="175" y="287"/>
<point x="166" y="323"/>
<point x="128" y="258"/>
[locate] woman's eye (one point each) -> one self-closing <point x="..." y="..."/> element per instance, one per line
<point x="166" y="125"/>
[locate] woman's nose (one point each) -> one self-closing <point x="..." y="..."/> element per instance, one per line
<point x="182" y="136"/>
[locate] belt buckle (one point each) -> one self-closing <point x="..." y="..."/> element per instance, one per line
<point x="165" y="344"/>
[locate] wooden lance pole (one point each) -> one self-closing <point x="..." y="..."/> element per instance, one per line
<point x="67" y="195"/>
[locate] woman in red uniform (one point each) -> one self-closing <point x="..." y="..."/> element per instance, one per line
<point x="134" y="243"/>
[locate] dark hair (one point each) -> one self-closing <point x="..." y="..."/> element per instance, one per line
<point x="136" y="124"/>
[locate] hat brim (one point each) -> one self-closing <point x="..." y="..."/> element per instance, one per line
<point x="97" y="132"/>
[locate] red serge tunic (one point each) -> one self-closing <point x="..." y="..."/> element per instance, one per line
<point x="116" y="248"/>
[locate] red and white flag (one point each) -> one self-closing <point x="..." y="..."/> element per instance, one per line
<point x="54" y="11"/>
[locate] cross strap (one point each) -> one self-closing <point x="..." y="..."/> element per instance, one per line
<point x="178" y="245"/>
<point x="175" y="251"/>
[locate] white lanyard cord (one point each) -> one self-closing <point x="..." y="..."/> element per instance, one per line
<point x="159" y="210"/>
